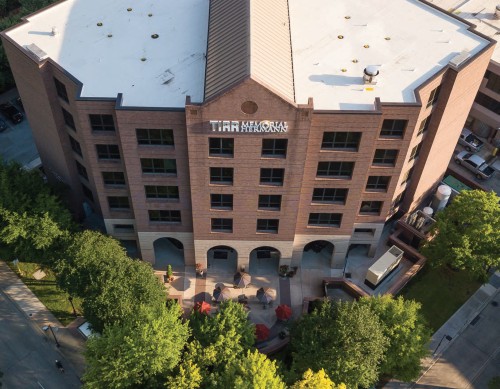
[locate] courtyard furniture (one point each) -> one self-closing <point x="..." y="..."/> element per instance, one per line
<point x="241" y="280"/>
<point x="266" y="295"/>
<point x="283" y="312"/>
<point x="222" y="294"/>
<point x="261" y="332"/>
<point x="203" y="307"/>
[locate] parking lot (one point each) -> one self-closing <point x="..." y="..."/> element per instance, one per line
<point x="16" y="142"/>
<point x="490" y="184"/>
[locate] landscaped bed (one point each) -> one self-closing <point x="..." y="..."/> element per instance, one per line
<point x="47" y="291"/>
<point x="441" y="292"/>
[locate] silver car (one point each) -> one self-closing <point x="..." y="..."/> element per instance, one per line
<point x="475" y="164"/>
<point x="470" y="141"/>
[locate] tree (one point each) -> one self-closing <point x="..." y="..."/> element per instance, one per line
<point x="466" y="234"/>
<point x="319" y="380"/>
<point x="138" y="352"/>
<point x="112" y="285"/>
<point x="407" y="332"/>
<point x="188" y="377"/>
<point x="219" y="340"/>
<point x="253" y="371"/>
<point x="343" y="338"/>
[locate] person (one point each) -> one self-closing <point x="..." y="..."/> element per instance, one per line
<point x="59" y="366"/>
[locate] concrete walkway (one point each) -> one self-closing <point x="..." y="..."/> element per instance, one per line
<point x="464" y="347"/>
<point x="71" y="342"/>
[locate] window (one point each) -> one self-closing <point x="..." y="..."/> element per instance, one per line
<point x="222" y="225"/>
<point x="123" y="228"/>
<point x="325" y="219"/>
<point x="269" y="226"/>
<point x="165" y="216"/>
<point x="81" y="170"/>
<point x="108" y="152"/>
<point x="488" y="102"/>
<point x="68" y="119"/>
<point x="61" y="90"/>
<point x="158" y="166"/>
<point x="221" y="175"/>
<point x="162" y="192"/>
<point x="341" y="141"/>
<point x="329" y="195"/>
<point x="335" y="169"/>
<point x="415" y="152"/>
<point x="407" y="176"/>
<point x="155" y="136"/>
<point x="370" y="207"/>
<point x="118" y="202"/>
<point x="493" y="82"/>
<point x="87" y="193"/>
<point x="393" y="128"/>
<point x="433" y="96"/>
<point x="113" y="178"/>
<point x="272" y="176"/>
<point x="221" y="147"/>
<point x="378" y="183"/>
<point x="221" y="201"/>
<point x="274" y="147"/>
<point x="364" y="231"/>
<point x="75" y="145"/>
<point x="102" y="122"/>
<point x="270" y="202"/>
<point x="385" y="157"/>
<point x="424" y="125"/>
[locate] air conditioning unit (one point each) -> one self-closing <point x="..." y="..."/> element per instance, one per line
<point x="383" y="266"/>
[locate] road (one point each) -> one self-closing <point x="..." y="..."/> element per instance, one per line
<point x="27" y="356"/>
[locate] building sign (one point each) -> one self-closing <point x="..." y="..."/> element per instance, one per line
<point x="239" y="126"/>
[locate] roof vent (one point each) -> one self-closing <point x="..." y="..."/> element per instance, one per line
<point x="37" y="52"/>
<point x="54" y="31"/>
<point x="370" y="74"/>
<point x="497" y="12"/>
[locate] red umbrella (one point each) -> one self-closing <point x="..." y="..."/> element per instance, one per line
<point x="261" y="331"/>
<point x="203" y="307"/>
<point x="283" y="312"/>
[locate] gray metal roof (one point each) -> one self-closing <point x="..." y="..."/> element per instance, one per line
<point x="249" y="38"/>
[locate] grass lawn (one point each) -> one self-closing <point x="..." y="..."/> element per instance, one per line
<point x="441" y="292"/>
<point x="47" y="291"/>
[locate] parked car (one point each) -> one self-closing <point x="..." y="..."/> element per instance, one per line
<point x="11" y="112"/>
<point x="475" y="164"/>
<point x="3" y="125"/>
<point x="470" y="141"/>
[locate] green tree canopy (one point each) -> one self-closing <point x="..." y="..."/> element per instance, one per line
<point x="112" y="285"/>
<point x="319" y="380"/>
<point x="188" y="376"/>
<point x="344" y="338"/>
<point x="218" y="340"/>
<point x="407" y="332"/>
<point x="138" y="352"/>
<point x="252" y="371"/>
<point x="32" y="219"/>
<point x="467" y="233"/>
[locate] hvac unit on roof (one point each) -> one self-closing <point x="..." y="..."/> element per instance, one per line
<point x="497" y="12"/>
<point x="370" y="74"/>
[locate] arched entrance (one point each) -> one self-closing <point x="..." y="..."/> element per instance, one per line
<point x="168" y="251"/>
<point x="264" y="260"/>
<point x="317" y="255"/>
<point x="222" y="259"/>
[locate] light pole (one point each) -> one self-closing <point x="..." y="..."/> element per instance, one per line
<point x="70" y="298"/>
<point x="49" y="327"/>
<point x="448" y="338"/>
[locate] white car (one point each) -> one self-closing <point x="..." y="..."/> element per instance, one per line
<point x="475" y="164"/>
<point x="470" y="141"/>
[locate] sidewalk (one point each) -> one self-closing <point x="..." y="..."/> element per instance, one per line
<point x="72" y="343"/>
<point x="462" y="338"/>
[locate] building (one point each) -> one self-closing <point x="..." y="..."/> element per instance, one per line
<point x="251" y="130"/>
<point x="484" y="116"/>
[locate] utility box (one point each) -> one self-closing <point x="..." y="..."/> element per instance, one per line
<point x="383" y="266"/>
